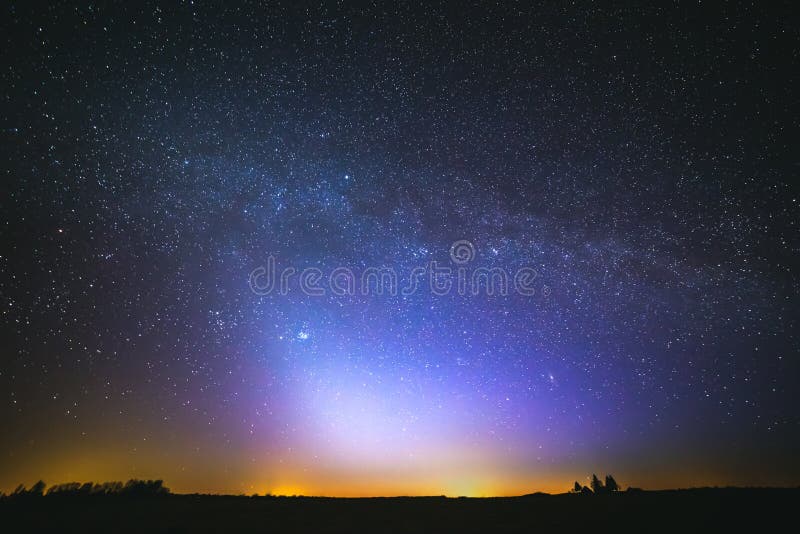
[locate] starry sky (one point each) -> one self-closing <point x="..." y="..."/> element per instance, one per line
<point x="639" y="159"/>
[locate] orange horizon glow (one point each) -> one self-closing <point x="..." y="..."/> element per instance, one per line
<point x="435" y="468"/>
<point x="297" y="480"/>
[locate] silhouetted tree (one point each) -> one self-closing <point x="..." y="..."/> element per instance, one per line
<point x="576" y="488"/>
<point x="133" y="487"/>
<point x="144" y="487"/>
<point x="66" y="488"/>
<point x="597" y="486"/>
<point x="110" y="488"/>
<point x="37" y="490"/>
<point x="611" y="484"/>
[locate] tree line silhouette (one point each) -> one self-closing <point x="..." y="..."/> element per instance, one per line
<point x="597" y="487"/>
<point x="142" y="488"/>
<point x="131" y="488"/>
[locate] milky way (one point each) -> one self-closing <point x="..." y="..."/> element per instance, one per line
<point x="641" y="161"/>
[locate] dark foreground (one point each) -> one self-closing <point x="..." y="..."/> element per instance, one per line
<point x="708" y="510"/>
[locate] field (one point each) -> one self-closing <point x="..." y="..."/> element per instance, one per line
<point x="709" y="510"/>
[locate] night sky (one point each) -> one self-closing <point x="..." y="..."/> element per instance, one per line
<point x="641" y="161"/>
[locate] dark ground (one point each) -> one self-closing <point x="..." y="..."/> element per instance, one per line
<point x="700" y="510"/>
